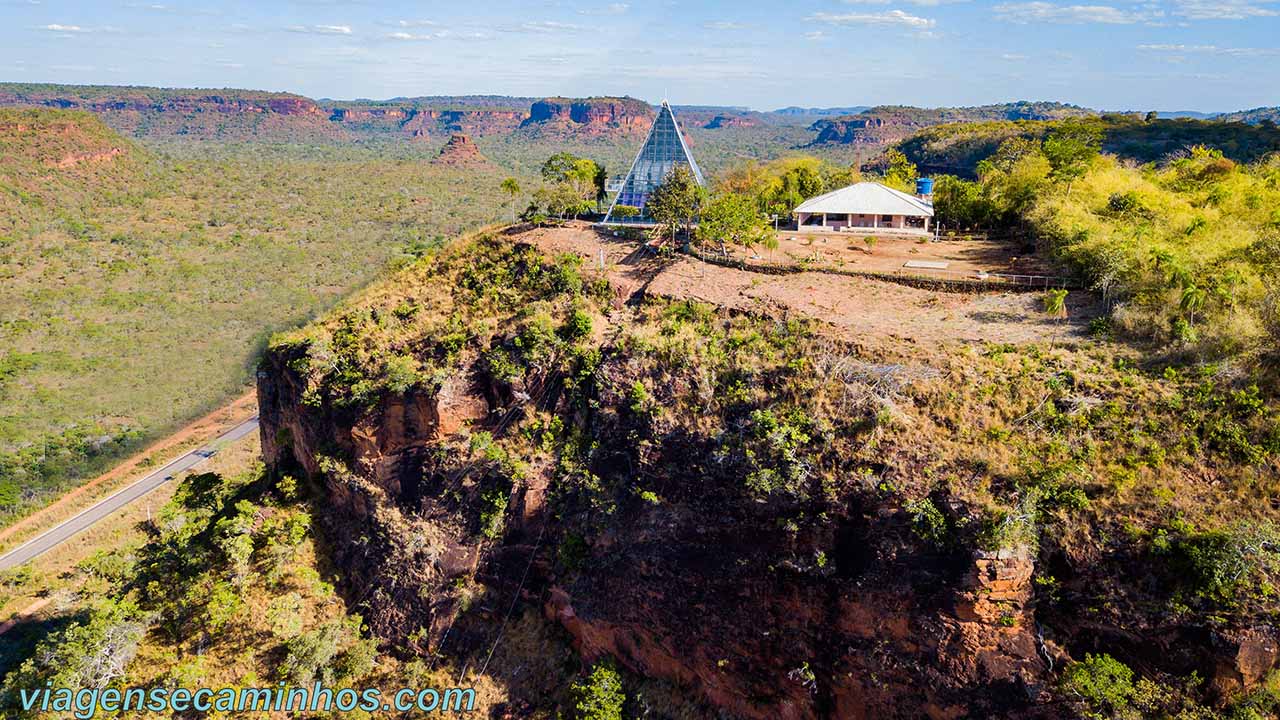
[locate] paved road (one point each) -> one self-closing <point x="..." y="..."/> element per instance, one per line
<point x="61" y="533"/>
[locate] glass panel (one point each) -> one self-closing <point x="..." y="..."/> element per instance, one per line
<point x="662" y="151"/>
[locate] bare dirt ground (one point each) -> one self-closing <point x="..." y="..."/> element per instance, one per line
<point x="154" y="455"/>
<point x="889" y="254"/>
<point x="856" y="307"/>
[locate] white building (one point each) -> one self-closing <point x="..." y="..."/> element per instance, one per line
<point x="866" y="206"/>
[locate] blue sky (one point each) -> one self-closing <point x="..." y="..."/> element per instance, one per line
<point x="1118" y="54"/>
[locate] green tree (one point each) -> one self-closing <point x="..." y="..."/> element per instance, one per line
<point x="676" y="200"/>
<point x="959" y="203"/>
<point x="900" y="172"/>
<point x="558" y="166"/>
<point x="10" y="494"/>
<point x="570" y="176"/>
<point x="732" y="218"/>
<point x="1055" y="304"/>
<point x="601" y="180"/>
<point x="87" y="654"/>
<point x="511" y="187"/>
<point x="1070" y="148"/>
<point x="559" y="200"/>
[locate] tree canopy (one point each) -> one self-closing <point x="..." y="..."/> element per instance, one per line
<point x="734" y="218"/>
<point x="676" y="200"/>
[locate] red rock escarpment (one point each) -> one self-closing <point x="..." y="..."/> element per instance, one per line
<point x="592" y="116"/>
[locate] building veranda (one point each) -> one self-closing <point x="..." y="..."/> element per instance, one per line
<point x="863" y="207"/>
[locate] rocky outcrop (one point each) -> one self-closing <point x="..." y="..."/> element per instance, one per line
<point x="591" y="116"/>
<point x="461" y="152"/>
<point x="730" y="121"/>
<point x="73" y="159"/>
<point x="472" y="122"/>
<point x="638" y="532"/>
<point x="1244" y="659"/>
<point x="862" y="130"/>
<point x="709" y="590"/>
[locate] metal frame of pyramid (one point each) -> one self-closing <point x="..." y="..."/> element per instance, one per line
<point x="664" y="148"/>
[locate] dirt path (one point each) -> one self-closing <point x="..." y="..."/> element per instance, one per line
<point x="26" y="612"/>
<point x="202" y="430"/>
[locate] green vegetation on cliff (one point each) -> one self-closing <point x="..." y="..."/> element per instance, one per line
<point x="1140" y="490"/>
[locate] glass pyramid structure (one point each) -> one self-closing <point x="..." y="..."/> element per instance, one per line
<point x="663" y="149"/>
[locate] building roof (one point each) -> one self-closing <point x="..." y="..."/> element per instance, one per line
<point x="868" y="198"/>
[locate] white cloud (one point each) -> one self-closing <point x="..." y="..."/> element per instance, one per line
<point x="816" y="35"/>
<point x="321" y="29"/>
<point x="1209" y="50"/>
<point x="891" y="17"/>
<point x="922" y="3"/>
<point x="55" y="27"/>
<point x="416" y="23"/>
<point x="410" y="37"/>
<point x="1013" y="57"/>
<point x="1043" y="12"/>
<point x="611" y="9"/>
<point x="1221" y="9"/>
<point x="725" y="25"/>
<point x="542" y="27"/>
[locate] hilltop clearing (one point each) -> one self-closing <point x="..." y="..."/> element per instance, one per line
<point x="859" y="309"/>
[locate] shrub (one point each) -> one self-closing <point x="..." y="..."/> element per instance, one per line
<point x="927" y="521"/>
<point x="576" y="326"/>
<point x="309" y="656"/>
<point x="1102" y="682"/>
<point x="599" y="696"/>
<point x="1221" y="565"/>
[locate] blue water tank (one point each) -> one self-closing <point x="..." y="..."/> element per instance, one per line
<point x="924" y="186"/>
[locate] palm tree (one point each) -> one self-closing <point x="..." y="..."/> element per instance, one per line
<point x="1055" y="305"/>
<point x="1192" y="301"/>
<point x="511" y="186"/>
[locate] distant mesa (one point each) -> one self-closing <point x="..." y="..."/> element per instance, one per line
<point x="591" y="116"/>
<point x="730" y="121"/>
<point x="461" y="152"/>
<point x="889" y="124"/>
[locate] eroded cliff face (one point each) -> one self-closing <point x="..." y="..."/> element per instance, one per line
<point x="761" y="515"/>
<point x="710" y="588"/>
<point x="592" y="116"/>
